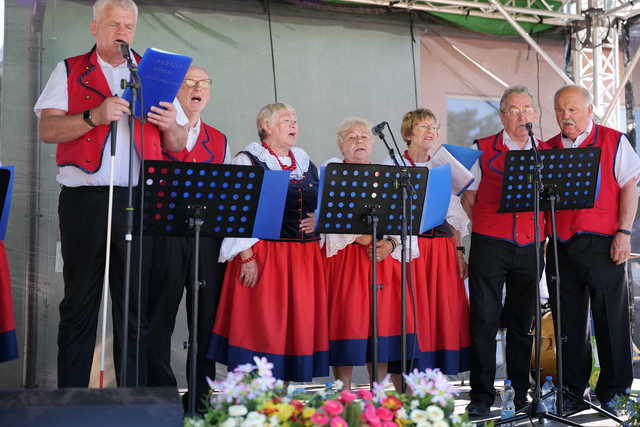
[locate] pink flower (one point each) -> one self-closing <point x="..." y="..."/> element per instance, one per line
<point x="369" y="415"/>
<point x="384" y="414"/>
<point x="333" y="407"/>
<point x="348" y="396"/>
<point x="389" y="424"/>
<point x="338" y="422"/>
<point x="319" y="418"/>
<point x="365" y="395"/>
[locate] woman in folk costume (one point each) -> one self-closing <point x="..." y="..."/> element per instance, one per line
<point x="348" y="260"/>
<point x="273" y="301"/>
<point x="439" y="271"/>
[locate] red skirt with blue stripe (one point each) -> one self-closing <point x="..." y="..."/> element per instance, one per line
<point x="442" y="307"/>
<point x="283" y="317"/>
<point x="349" y="290"/>
<point x="8" y="340"/>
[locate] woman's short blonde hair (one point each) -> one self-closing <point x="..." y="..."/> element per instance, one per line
<point x="266" y="114"/>
<point x="348" y="125"/>
<point x="411" y="118"/>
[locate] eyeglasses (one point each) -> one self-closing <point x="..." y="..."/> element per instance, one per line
<point x="429" y="127"/>
<point x="513" y="111"/>
<point x="356" y="138"/>
<point x="204" y="83"/>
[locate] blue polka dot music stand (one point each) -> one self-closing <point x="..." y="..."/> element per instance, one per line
<point x="366" y="199"/>
<point x="183" y="199"/>
<point x="548" y="180"/>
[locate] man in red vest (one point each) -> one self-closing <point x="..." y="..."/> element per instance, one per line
<point x="173" y="257"/>
<point x="502" y="252"/>
<point x="593" y="245"/>
<point x="80" y="101"/>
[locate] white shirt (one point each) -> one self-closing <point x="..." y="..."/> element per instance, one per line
<point x="55" y="95"/>
<point x="194" y="132"/>
<point x="509" y="143"/>
<point x="627" y="162"/>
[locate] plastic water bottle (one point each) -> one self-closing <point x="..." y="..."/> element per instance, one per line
<point x="549" y="401"/>
<point x="508" y="407"/>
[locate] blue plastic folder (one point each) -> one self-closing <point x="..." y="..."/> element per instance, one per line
<point x="268" y="223"/>
<point x="6" y="189"/>
<point x="436" y="201"/>
<point x="161" y="74"/>
<point x="465" y="155"/>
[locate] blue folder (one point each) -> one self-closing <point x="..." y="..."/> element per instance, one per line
<point x="273" y="194"/>
<point x="161" y="74"/>
<point x="436" y="201"/>
<point x="6" y="189"/>
<point x="465" y="155"/>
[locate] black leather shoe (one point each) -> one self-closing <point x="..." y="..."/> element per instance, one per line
<point x="477" y="409"/>
<point x="571" y="406"/>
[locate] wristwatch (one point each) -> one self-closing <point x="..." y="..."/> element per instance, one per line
<point x="86" y="116"/>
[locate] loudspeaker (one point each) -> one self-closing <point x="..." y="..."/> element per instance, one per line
<point x="82" y="407"/>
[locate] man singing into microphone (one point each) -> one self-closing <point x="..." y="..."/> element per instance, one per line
<point x="593" y="245"/>
<point x="502" y="252"/>
<point x="80" y="101"/>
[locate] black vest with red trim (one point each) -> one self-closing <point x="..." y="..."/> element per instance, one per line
<point x="302" y="198"/>
<point x="602" y="219"/>
<point x="514" y="227"/>
<point x="86" y="89"/>
<point x="211" y="147"/>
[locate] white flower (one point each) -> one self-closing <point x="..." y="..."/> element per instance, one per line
<point x="435" y="413"/>
<point x="237" y="411"/>
<point x="423" y="424"/>
<point x="455" y="418"/>
<point x="338" y="385"/>
<point x="402" y="414"/>
<point x="263" y="365"/>
<point x="418" y="416"/>
<point x="229" y="422"/>
<point x="441" y="423"/>
<point x="414" y="404"/>
<point x="256" y="416"/>
<point x="193" y="422"/>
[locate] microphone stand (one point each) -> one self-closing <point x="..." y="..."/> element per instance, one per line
<point x="134" y="85"/>
<point x="404" y="184"/>
<point x="536" y="408"/>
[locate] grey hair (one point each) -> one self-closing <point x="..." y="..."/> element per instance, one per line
<point x="584" y="92"/>
<point x="514" y="90"/>
<point x="348" y="124"/>
<point x="266" y="115"/>
<point x="99" y="5"/>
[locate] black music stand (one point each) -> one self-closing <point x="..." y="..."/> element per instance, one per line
<point x="363" y="199"/>
<point x="545" y="177"/>
<point x="212" y="200"/>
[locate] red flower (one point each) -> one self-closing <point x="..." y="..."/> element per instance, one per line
<point x="370" y="416"/>
<point x="338" y="422"/>
<point x="298" y="405"/>
<point x="365" y="395"/>
<point x="333" y="407"/>
<point x="348" y="396"/>
<point x="319" y="418"/>
<point x="392" y="403"/>
<point x="384" y="414"/>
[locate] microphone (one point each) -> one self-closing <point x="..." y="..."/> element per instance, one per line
<point x="377" y="129"/>
<point x="529" y="127"/>
<point x="124" y="49"/>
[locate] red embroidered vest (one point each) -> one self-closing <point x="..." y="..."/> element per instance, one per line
<point x="603" y="217"/>
<point x="515" y="227"/>
<point x="210" y="147"/>
<point x="87" y="88"/>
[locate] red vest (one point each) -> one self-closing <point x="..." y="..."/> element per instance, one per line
<point x="515" y="227"/>
<point x="210" y="147"/>
<point x="86" y="89"/>
<point x="603" y="217"/>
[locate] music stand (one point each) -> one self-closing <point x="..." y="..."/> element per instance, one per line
<point x="363" y="199"/>
<point x="212" y="200"/>
<point x="568" y="175"/>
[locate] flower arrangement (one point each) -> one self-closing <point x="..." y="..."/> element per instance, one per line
<point x="250" y="397"/>
<point x="628" y="406"/>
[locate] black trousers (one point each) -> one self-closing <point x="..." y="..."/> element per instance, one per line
<point x="172" y="272"/>
<point x="588" y="276"/>
<point x="493" y="263"/>
<point x="82" y="213"/>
